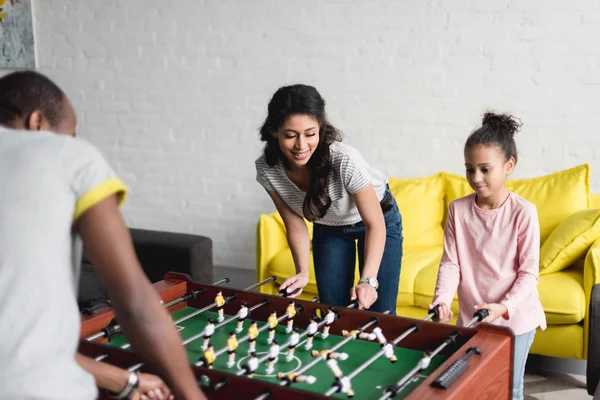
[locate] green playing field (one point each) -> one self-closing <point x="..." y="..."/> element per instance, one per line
<point x="369" y="384"/>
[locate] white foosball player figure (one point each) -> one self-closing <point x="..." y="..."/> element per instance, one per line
<point x="312" y="331"/>
<point x="388" y="348"/>
<point x="329" y="318"/>
<point x="242" y="315"/>
<point x="361" y="335"/>
<point x="342" y="381"/>
<point x="273" y="356"/>
<point x="294" y="340"/>
<point x="209" y="329"/>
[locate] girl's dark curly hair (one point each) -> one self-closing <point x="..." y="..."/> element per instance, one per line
<point x="497" y="130"/>
<point x="303" y="100"/>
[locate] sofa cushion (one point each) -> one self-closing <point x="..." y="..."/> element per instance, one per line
<point x="282" y="266"/>
<point x="425" y="286"/>
<point x="570" y="240"/>
<point x="563" y="297"/>
<point x="561" y="294"/>
<point x="556" y="196"/>
<point x="421" y="203"/>
<point x="414" y="261"/>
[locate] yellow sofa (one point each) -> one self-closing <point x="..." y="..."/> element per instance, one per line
<point x="569" y="218"/>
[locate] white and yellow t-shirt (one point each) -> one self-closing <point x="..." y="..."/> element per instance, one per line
<point x="46" y="182"/>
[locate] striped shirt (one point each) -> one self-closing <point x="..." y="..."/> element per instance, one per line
<point x="350" y="174"/>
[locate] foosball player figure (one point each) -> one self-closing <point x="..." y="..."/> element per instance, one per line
<point x="209" y="356"/>
<point x="242" y="314"/>
<point x="330" y="355"/>
<point x="291" y="311"/>
<point x="292" y="377"/>
<point x="329" y="318"/>
<point x="294" y="340"/>
<point x="360" y="335"/>
<point x="220" y="300"/>
<point x="312" y="331"/>
<point x="253" y="332"/>
<point x="209" y="329"/>
<point x="387" y="347"/>
<point x="232" y="345"/>
<point x="343" y="382"/>
<point x="252" y="365"/>
<point x="272" y="321"/>
<point x="273" y="356"/>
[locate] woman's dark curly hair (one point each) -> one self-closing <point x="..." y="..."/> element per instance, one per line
<point x="497" y="130"/>
<point x="304" y="100"/>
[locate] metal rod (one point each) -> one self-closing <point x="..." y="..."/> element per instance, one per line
<point x="424" y="362"/>
<point x="371" y="360"/>
<point x="204" y="309"/>
<point x="246" y="337"/>
<point x="171" y="304"/>
<point x="334" y="348"/>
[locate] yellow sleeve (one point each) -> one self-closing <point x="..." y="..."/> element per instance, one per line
<point x="97" y="194"/>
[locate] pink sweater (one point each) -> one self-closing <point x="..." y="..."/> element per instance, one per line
<point x="492" y="256"/>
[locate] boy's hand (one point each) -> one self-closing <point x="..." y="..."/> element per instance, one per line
<point x="496" y="311"/>
<point x="445" y="314"/>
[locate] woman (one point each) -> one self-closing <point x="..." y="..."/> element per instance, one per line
<point x="310" y="174"/>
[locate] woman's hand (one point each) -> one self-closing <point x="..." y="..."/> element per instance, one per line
<point x="292" y="283"/>
<point x="496" y="311"/>
<point x="365" y="294"/>
<point x="445" y="314"/>
<point x="151" y="387"/>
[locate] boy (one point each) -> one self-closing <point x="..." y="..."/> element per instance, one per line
<point x="56" y="191"/>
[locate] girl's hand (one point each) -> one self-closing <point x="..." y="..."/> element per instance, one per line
<point x="445" y="314"/>
<point x="151" y="387"/>
<point x="365" y="294"/>
<point x="496" y="311"/>
<point x="292" y="283"/>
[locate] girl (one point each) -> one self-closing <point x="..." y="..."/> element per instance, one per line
<point x="492" y="244"/>
<point x="309" y="174"/>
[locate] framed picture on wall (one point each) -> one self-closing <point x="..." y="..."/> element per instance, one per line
<point x="17" y="48"/>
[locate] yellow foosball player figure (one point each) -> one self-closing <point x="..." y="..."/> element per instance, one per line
<point x="360" y="335"/>
<point x="220" y="300"/>
<point x="291" y="311"/>
<point x="253" y="332"/>
<point x="272" y="321"/>
<point x="209" y="356"/>
<point x="232" y="345"/>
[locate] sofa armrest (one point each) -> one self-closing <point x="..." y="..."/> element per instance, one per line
<point x="271" y="239"/>
<point x="162" y="252"/>
<point x="591" y="276"/>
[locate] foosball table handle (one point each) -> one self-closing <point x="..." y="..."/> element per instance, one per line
<point x="458" y="367"/>
<point x="284" y="292"/>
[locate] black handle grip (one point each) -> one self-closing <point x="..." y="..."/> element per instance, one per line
<point x="94" y="309"/>
<point x="284" y="292"/>
<point x="353" y="304"/>
<point x="454" y="372"/>
<point x="481" y="314"/>
<point x="435" y="310"/>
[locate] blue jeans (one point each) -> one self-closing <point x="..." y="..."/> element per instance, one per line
<point x="522" y="345"/>
<point x="334" y="255"/>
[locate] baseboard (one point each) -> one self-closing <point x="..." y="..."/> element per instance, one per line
<point x="536" y="362"/>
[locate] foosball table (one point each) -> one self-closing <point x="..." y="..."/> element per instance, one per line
<point x="247" y="345"/>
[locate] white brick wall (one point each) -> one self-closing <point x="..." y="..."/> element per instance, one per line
<point x="174" y="91"/>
